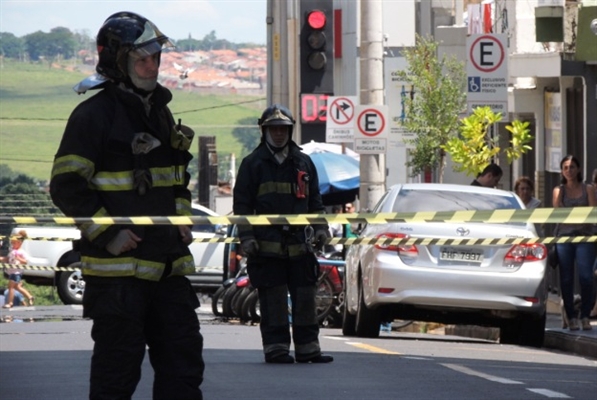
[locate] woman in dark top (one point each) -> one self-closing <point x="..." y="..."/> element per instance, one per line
<point x="574" y="193"/>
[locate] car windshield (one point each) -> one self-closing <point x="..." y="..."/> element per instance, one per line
<point x="441" y="200"/>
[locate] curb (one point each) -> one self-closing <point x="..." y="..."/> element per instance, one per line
<point x="583" y="346"/>
<point x="579" y="345"/>
<point x="473" y="331"/>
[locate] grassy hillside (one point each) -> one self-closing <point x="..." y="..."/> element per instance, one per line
<point x="35" y="103"/>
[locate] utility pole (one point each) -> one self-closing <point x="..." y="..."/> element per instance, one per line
<point x="277" y="45"/>
<point x="373" y="166"/>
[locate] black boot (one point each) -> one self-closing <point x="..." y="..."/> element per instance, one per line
<point x="319" y="359"/>
<point x="280" y="359"/>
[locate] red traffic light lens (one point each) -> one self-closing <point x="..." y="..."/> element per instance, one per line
<point x="316" y="19"/>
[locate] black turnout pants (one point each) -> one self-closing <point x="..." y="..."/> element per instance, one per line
<point x="130" y="313"/>
<point x="275" y="278"/>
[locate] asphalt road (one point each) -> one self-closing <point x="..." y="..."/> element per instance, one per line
<point x="45" y="353"/>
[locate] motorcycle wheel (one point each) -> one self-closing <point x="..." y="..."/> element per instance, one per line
<point x="227" y="301"/>
<point x="216" y="301"/>
<point x="250" y="307"/>
<point x="324" y="299"/>
<point x="238" y="301"/>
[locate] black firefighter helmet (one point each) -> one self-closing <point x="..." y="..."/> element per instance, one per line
<point x="122" y="33"/>
<point x="276" y="114"/>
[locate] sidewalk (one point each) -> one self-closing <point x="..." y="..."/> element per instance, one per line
<point x="582" y="343"/>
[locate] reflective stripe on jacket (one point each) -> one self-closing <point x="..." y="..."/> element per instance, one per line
<point x="265" y="187"/>
<point x="98" y="172"/>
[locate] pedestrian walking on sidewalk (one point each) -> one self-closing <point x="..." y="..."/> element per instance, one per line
<point x="574" y="193"/>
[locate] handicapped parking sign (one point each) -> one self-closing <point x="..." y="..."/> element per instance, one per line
<point x="474" y="84"/>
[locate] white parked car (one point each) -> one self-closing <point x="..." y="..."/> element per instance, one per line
<point x="209" y="257"/>
<point x="501" y="285"/>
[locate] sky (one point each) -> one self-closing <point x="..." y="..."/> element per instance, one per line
<point x="234" y="20"/>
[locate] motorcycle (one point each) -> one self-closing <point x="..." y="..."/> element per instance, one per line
<point x="329" y="299"/>
<point x="222" y="298"/>
<point x="237" y="298"/>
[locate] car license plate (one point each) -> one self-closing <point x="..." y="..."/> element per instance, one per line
<point x="466" y="255"/>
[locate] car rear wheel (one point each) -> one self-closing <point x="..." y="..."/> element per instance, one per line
<point x="367" y="320"/>
<point x="349" y="321"/>
<point x="71" y="285"/>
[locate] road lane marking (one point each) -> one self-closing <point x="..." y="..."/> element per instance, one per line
<point x="492" y="378"/>
<point x="336" y="338"/>
<point x="372" y="349"/>
<point x="550" y="393"/>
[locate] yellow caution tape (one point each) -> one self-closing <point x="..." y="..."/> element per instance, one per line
<point x="575" y="215"/>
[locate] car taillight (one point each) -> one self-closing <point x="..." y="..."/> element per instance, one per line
<point x="402" y="249"/>
<point x="520" y="253"/>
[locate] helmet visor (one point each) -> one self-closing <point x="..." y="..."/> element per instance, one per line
<point x="151" y="41"/>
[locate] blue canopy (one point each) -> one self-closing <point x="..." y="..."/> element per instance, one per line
<point x="339" y="177"/>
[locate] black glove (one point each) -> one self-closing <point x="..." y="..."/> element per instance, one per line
<point x="250" y="247"/>
<point x="321" y="237"/>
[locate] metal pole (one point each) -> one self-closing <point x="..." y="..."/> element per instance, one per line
<point x="372" y="166"/>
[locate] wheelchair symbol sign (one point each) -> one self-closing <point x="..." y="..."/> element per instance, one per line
<point x="474" y="84"/>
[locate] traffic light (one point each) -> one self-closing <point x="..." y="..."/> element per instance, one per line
<point x="317" y="43"/>
<point x="316" y="66"/>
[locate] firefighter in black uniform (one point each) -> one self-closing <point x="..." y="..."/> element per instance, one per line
<point x="277" y="178"/>
<point x="122" y="154"/>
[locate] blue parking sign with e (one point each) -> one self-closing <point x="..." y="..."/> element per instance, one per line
<point x="474" y="84"/>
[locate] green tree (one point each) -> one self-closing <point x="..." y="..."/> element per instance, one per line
<point x="247" y="134"/>
<point x="432" y="113"/>
<point x="477" y="147"/>
<point x="20" y="195"/>
<point x="209" y="41"/>
<point x="61" y="44"/>
<point x="35" y="44"/>
<point x="189" y="44"/>
<point x="11" y="46"/>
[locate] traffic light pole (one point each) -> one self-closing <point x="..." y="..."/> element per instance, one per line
<point x="372" y="166"/>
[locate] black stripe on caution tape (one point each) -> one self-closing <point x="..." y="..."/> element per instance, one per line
<point x="196" y="240"/>
<point x="575" y="215"/>
<point x="461" y="241"/>
<point x="408" y="241"/>
<point x="38" y="267"/>
<point x="61" y="269"/>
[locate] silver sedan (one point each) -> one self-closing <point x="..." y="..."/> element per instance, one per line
<point x="501" y="285"/>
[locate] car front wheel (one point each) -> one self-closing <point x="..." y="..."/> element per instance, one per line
<point x="71" y="285"/>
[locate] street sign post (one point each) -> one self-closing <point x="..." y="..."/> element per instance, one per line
<point x="371" y="131"/>
<point x="340" y="119"/>
<point x="487" y="73"/>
